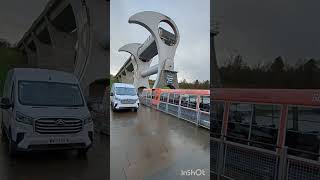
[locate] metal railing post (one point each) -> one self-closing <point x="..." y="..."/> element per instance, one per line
<point x="198" y="117"/>
<point x="179" y="107"/>
<point x="220" y="159"/>
<point x="282" y="169"/>
<point x="222" y="155"/>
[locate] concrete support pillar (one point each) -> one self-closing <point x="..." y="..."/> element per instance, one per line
<point x="44" y="54"/>
<point x="92" y="21"/>
<point x="138" y="65"/>
<point x="129" y="76"/>
<point x="151" y="20"/>
<point x="63" y="45"/>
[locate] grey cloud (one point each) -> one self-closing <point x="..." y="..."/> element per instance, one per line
<point x="263" y="30"/>
<point x="16" y="16"/>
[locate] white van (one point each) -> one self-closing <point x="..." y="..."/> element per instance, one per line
<point x="124" y="96"/>
<point x="43" y="110"/>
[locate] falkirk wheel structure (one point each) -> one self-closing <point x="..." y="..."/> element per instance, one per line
<point x="161" y="42"/>
<point x="71" y="36"/>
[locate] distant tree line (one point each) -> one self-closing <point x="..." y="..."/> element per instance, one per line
<point x="276" y="74"/>
<point x="194" y="85"/>
<point x="184" y="84"/>
<point x="4" y="43"/>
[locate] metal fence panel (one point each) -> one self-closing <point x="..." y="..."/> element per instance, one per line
<point x="214" y="149"/>
<point x="303" y="169"/>
<point x="249" y="164"/>
<point x="204" y="119"/>
<point x="162" y="106"/>
<point x="172" y="109"/>
<point x="188" y="114"/>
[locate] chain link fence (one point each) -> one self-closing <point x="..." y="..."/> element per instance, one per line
<point x="242" y="162"/>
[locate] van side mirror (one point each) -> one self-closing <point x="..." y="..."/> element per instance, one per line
<point x="5" y="103"/>
<point x="111" y="93"/>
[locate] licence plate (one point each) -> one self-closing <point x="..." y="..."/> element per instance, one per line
<point x="58" y="141"/>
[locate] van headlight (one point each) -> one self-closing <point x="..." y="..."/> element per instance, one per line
<point x="24" y="118"/>
<point x="87" y="120"/>
<point x="117" y="99"/>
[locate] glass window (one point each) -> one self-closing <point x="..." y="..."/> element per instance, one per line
<point x="49" y="94"/>
<point x="254" y="125"/>
<point x="204" y="103"/>
<point x="216" y="118"/>
<point x="303" y="132"/>
<point x="184" y="100"/>
<point x="239" y="122"/>
<point x="164" y="97"/>
<point x="265" y="122"/>
<point x="192" y="102"/>
<point x="176" y="99"/>
<point x="126" y="91"/>
<point x="171" y="98"/>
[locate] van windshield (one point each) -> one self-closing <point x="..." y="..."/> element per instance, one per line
<point x="126" y="91"/>
<point x="37" y="93"/>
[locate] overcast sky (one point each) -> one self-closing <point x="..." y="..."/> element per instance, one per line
<point x="16" y="16"/>
<point x="262" y="30"/>
<point x="192" y="60"/>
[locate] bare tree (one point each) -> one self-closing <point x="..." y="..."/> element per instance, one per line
<point x="4" y="43"/>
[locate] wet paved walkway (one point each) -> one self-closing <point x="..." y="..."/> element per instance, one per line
<point x="151" y="145"/>
<point x="65" y="165"/>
